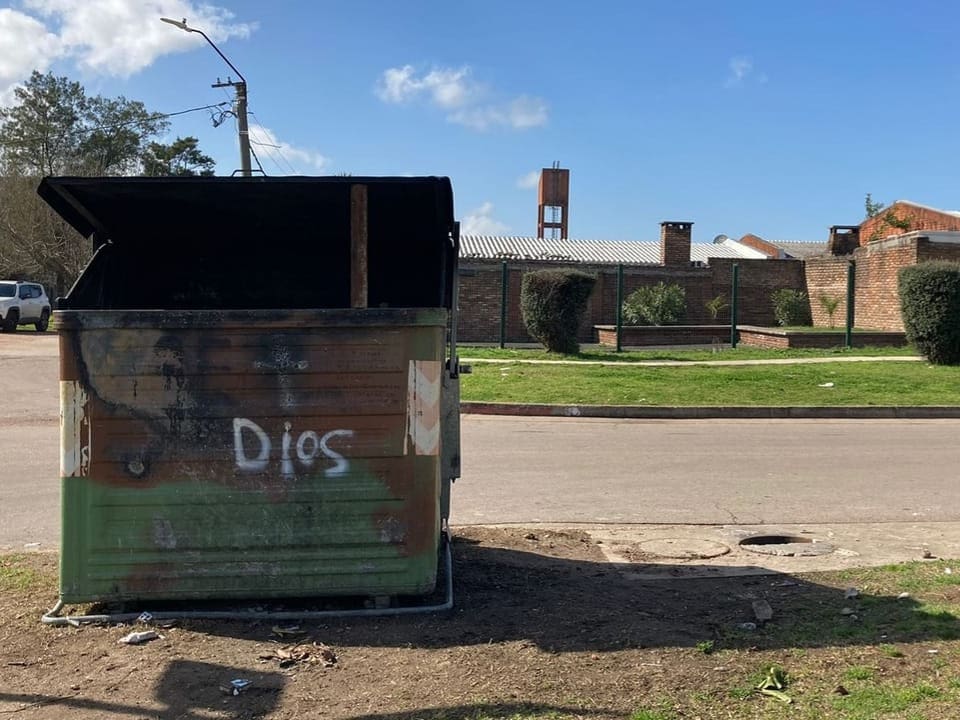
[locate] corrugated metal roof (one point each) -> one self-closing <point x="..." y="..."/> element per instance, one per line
<point x="614" y="252"/>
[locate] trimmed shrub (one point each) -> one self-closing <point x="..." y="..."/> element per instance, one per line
<point x="659" y="304"/>
<point x="552" y="303"/>
<point x="930" y="306"/>
<point x="791" y="307"/>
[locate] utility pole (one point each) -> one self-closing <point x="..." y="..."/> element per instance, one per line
<point x="240" y="108"/>
<point x="240" y="90"/>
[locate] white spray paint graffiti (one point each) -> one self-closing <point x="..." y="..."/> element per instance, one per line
<point x="308" y="446"/>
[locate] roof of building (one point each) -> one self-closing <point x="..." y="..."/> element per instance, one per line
<point x="955" y="213"/>
<point x="800" y="248"/>
<point x="599" y="252"/>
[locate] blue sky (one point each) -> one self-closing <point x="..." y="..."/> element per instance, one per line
<point x="767" y="117"/>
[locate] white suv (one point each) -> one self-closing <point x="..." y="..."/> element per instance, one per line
<point x="23" y="303"/>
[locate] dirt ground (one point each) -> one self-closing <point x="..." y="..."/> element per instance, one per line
<point x="543" y="627"/>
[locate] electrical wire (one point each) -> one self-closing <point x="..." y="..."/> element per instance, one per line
<point x="154" y="116"/>
<point x="270" y="146"/>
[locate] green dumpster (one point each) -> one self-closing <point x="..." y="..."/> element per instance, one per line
<point x="259" y="391"/>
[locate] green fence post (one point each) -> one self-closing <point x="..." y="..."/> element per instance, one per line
<point x="851" y="300"/>
<point x="735" y="285"/>
<point x="619" y="305"/>
<point x="503" y="304"/>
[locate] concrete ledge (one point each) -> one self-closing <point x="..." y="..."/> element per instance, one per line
<point x="697" y="413"/>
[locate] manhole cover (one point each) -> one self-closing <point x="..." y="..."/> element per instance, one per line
<point x="683" y="548"/>
<point x="785" y="545"/>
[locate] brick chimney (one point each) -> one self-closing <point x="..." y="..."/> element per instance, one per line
<point x="675" y="243"/>
<point x="844" y="239"/>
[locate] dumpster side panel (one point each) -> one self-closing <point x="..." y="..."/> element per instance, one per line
<point x="278" y="455"/>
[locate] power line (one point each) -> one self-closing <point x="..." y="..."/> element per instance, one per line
<point x="136" y="121"/>
<point x="278" y="148"/>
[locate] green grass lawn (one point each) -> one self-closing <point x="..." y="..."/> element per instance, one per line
<point x="865" y="383"/>
<point x="740" y="353"/>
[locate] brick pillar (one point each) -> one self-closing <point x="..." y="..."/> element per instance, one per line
<point x="675" y="243"/>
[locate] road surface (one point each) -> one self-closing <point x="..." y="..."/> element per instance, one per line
<point x="518" y="470"/>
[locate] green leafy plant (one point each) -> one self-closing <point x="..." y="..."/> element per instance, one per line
<point x="659" y="304"/>
<point x="791" y="307"/>
<point x="706" y="646"/>
<point x="930" y="306"/>
<point x="716" y="306"/>
<point x="552" y="303"/>
<point x="773" y="685"/>
<point x="829" y="303"/>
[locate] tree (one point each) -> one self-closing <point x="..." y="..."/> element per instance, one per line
<point x="35" y="243"/>
<point x="54" y="128"/>
<point x="182" y="158"/>
<point x="873" y="208"/>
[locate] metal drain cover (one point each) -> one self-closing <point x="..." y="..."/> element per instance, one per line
<point x="683" y="548"/>
<point x="785" y="545"/>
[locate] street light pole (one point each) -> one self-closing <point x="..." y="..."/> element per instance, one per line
<point x="240" y="90"/>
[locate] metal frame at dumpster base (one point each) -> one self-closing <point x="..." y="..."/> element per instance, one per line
<point x="53" y="616"/>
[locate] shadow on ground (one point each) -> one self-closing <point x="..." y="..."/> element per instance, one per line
<point x="566" y="605"/>
<point x="187" y="689"/>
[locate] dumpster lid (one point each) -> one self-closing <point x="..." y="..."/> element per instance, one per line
<point x="251" y="243"/>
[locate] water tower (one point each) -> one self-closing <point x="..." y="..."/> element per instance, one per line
<point x="553" y="202"/>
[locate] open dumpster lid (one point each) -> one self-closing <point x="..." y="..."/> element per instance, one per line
<point x="248" y="243"/>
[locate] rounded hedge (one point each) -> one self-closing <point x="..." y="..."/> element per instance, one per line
<point x="930" y="305"/>
<point x="552" y="303"/>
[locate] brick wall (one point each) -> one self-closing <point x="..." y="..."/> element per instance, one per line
<point x="919" y="219"/>
<point x="480" y="293"/>
<point x="877" y="299"/>
<point x="827" y="276"/>
<point x="758" y="280"/>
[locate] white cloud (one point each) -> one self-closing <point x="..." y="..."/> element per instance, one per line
<point x="25" y="45"/>
<point x="482" y="222"/>
<point x="740" y="70"/>
<point x="286" y="158"/>
<point x="529" y="181"/>
<point x="103" y="37"/>
<point x="454" y="90"/>
<point x="447" y="88"/>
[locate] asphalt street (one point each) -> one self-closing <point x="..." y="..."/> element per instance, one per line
<point x="565" y="470"/>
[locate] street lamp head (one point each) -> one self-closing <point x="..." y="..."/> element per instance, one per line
<point x="182" y="24"/>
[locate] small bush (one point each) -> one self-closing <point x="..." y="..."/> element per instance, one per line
<point x="716" y="306"/>
<point x="552" y="303"/>
<point x="930" y="305"/>
<point x="791" y="307"/>
<point x="829" y="303"/>
<point x="659" y="304"/>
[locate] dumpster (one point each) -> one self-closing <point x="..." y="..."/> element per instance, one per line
<point x="259" y="387"/>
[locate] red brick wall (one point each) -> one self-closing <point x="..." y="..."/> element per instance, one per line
<point x="877" y="227"/>
<point x="877" y="299"/>
<point x="827" y="276"/>
<point x="758" y="280"/>
<point x="480" y="293"/>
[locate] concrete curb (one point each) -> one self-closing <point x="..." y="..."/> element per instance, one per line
<point x="640" y="412"/>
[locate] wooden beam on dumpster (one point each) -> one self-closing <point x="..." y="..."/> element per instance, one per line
<point x="359" y="275"/>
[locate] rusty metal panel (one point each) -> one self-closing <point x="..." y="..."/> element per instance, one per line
<point x="239" y="454"/>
